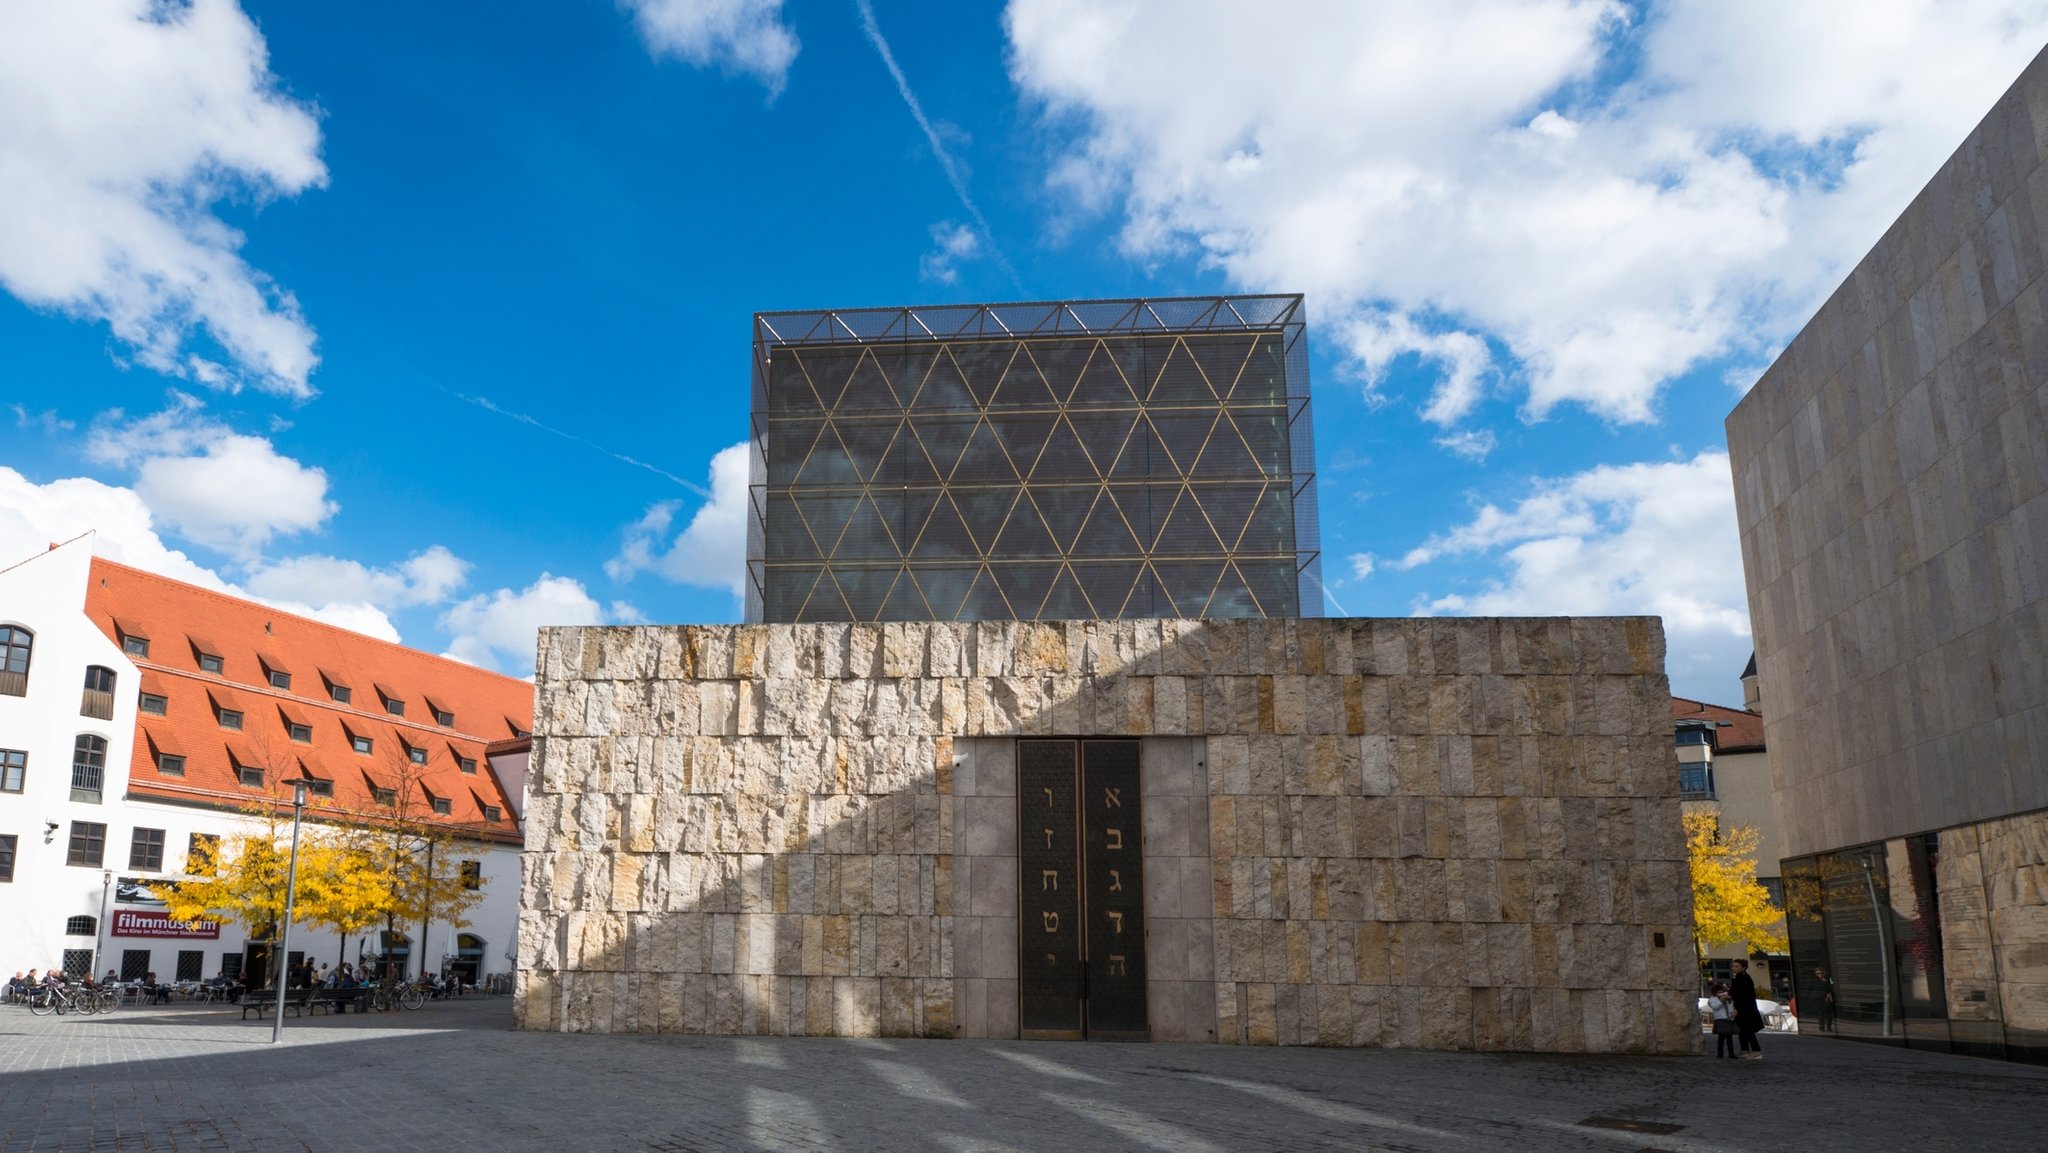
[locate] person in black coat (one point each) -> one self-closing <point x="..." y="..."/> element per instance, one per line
<point x="1748" y="1020"/>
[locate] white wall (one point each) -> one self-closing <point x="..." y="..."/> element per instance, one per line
<point x="46" y="594"/>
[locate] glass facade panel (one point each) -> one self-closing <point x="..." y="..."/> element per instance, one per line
<point x="1044" y="461"/>
<point x="1890" y="945"/>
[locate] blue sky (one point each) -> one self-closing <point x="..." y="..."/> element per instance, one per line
<point x="437" y="327"/>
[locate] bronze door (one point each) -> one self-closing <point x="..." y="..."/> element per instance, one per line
<point x="1081" y="944"/>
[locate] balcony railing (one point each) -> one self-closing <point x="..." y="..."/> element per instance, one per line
<point x="97" y="704"/>
<point x="85" y="783"/>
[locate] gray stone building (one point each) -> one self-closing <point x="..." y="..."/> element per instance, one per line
<point x="1440" y="833"/>
<point x="1891" y="476"/>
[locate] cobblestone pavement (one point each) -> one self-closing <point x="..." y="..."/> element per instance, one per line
<point x="454" y="1077"/>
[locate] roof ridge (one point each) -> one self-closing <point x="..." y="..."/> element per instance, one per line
<point x="246" y="601"/>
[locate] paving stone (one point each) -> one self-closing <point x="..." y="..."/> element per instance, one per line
<point x="455" y="1076"/>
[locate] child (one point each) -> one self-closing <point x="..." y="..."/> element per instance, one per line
<point x="1723" y="1010"/>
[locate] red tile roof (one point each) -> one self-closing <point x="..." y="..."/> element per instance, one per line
<point x="1744" y="732"/>
<point x="182" y="620"/>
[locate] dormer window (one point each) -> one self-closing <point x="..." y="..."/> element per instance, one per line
<point x="153" y="704"/>
<point x="393" y="704"/>
<point x="303" y="734"/>
<point x="336" y="691"/>
<point x="417" y="756"/>
<point x="230" y="720"/>
<point x="206" y="654"/>
<point x="492" y="814"/>
<point x="359" y="742"/>
<point x="278" y="677"/>
<point x="466" y="764"/>
<point x="442" y="717"/>
<point x="134" y="639"/>
<point x="443" y="806"/>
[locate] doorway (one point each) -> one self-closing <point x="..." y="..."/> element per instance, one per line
<point x="1081" y="940"/>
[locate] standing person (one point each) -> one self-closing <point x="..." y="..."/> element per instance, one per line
<point x="1748" y="1020"/>
<point x="1827" y="1000"/>
<point x="1723" y="1012"/>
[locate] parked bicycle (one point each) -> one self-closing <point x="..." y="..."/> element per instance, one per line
<point x="399" y="995"/>
<point x="62" y="999"/>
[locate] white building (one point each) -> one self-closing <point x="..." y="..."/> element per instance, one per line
<point x="140" y="715"/>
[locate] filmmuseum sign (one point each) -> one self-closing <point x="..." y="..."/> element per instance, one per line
<point x="128" y="923"/>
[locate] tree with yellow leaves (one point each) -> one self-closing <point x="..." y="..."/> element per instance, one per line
<point x="1729" y="906"/>
<point x="242" y="877"/>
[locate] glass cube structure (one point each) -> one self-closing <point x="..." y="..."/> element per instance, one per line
<point x="1052" y="461"/>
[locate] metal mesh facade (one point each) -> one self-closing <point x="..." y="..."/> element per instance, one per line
<point x="1083" y="460"/>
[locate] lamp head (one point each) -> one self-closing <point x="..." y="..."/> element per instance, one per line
<point x="49" y="831"/>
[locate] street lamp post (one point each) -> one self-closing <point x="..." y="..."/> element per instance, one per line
<point x="100" y="929"/>
<point x="284" y="932"/>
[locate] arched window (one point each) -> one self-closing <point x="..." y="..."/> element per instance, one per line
<point x="81" y="927"/>
<point x="88" y="767"/>
<point x="16" y="645"/>
<point x="99" y="693"/>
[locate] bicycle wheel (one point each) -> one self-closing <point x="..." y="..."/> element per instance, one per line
<point x="412" y="997"/>
<point x="43" y="1005"/>
<point x="85" y="1003"/>
<point x="109" y="1001"/>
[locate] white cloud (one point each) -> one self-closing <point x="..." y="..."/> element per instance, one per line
<point x="425" y="578"/>
<point x="210" y="484"/>
<point x="952" y="245"/>
<point x="1437" y="177"/>
<point x="1362" y="565"/>
<point x="122" y="124"/>
<point x="711" y="551"/>
<point x="501" y="629"/>
<point x="34" y="516"/>
<point x="1473" y="444"/>
<point x="745" y="36"/>
<point x="1654" y="538"/>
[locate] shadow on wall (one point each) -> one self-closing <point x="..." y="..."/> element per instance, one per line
<point x="1438" y="833"/>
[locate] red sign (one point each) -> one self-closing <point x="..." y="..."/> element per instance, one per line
<point x="130" y="924"/>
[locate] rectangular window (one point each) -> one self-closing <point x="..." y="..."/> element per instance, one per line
<point x="231" y="719"/>
<point x="199" y="853"/>
<point x="385" y="797"/>
<point x="443" y="806"/>
<point x="416" y="756"/>
<point x="360" y="744"/>
<point x="280" y="680"/>
<point x="472" y="875"/>
<point x="492" y="814"/>
<point x="466" y="764"/>
<point x="135" y="646"/>
<point x="444" y="718"/>
<point x="395" y="707"/>
<point x="13" y="769"/>
<point x="88" y="844"/>
<point x="146" y="851"/>
<point x="230" y="965"/>
<point x="134" y="964"/>
<point x="302" y="733"/>
<point x="6" y="856"/>
<point x="339" y="694"/>
<point x="250" y="776"/>
<point x="208" y="663"/>
<point x="191" y="965"/>
<point x="153" y="704"/>
<point x="170" y="764"/>
<point x="319" y="788"/>
<point x="77" y="963"/>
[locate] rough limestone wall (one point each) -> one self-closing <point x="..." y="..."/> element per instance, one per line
<point x="1440" y="833"/>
